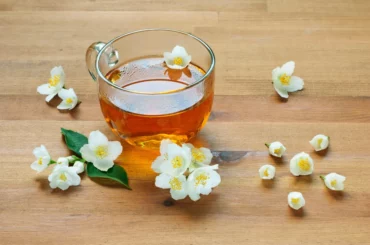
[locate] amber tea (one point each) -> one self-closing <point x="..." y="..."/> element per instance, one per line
<point x="166" y="102"/>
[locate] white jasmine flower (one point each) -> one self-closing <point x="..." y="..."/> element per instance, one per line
<point x="63" y="161"/>
<point x="177" y="184"/>
<point x="177" y="59"/>
<point x="79" y="167"/>
<point x="283" y="80"/>
<point x="63" y="177"/>
<point x="200" y="157"/>
<point x="320" y="142"/>
<point x="69" y="98"/>
<point x="276" y="148"/>
<point x="267" y="171"/>
<point x="174" y="161"/>
<point x="334" y="181"/>
<point x="296" y="200"/>
<point x="55" y="84"/>
<point x="179" y="159"/>
<point x="42" y="159"/>
<point x="163" y="157"/>
<point x="201" y="181"/>
<point x="100" y="151"/>
<point x="301" y="164"/>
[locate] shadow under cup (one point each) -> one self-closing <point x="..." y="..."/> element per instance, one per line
<point x="142" y="100"/>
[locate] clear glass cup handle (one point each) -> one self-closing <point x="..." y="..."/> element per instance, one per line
<point x="93" y="51"/>
<point x="91" y="54"/>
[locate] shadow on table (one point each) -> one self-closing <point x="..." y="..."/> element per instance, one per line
<point x="303" y="178"/>
<point x="44" y="186"/>
<point x="322" y="153"/>
<point x="300" y="213"/>
<point x="337" y="195"/>
<point x="268" y="183"/>
<point x="207" y="205"/>
<point x="278" y="160"/>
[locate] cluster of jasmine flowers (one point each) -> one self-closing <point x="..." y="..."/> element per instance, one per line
<point x="185" y="170"/>
<point x="56" y="86"/>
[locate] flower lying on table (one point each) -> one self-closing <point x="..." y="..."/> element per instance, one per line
<point x="69" y="98"/>
<point x="63" y="177"/>
<point x="97" y="153"/>
<point x="42" y="159"/>
<point x="267" y="171"/>
<point x="55" y="84"/>
<point x="301" y="164"/>
<point x="276" y="148"/>
<point x="334" y="181"/>
<point x="100" y="151"/>
<point x="296" y="200"/>
<point x="175" y="161"/>
<point x="284" y="81"/>
<point x="320" y="142"/>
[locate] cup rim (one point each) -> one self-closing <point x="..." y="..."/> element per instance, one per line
<point x="209" y="71"/>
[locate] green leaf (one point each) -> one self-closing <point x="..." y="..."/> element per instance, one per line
<point x="74" y="140"/>
<point x="116" y="173"/>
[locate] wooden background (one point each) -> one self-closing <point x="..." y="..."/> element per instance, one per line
<point x="330" y="42"/>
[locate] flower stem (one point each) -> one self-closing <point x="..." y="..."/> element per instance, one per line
<point x="322" y="177"/>
<point x="75" y="159"/>
<point x="267" y="145"/>
<point x="52" y="162"/>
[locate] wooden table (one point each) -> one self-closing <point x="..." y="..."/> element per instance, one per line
<point x="330" y="42"/>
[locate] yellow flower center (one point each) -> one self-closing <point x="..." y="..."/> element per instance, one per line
<point x="101" y="151"/>
<point x="69" y="100"/>
<point x="266" y="173"/>
<point x="285" y="79"/>
<point x="177" y="162"/>
<point x="201" y="179"/>
<point x="178" y="61"/>
<point x="54" y="80"/>
<point x="277" y="151"/>
<point x="333" y="183"/>
<point x="63" y="177"/>
<point x="39" y="161"/>
<point x="319" y="141"/>
<point x="175" y="184"/>
<point x="304" y="164"/>
<point x="295" y="200"/>
<point x="198" y="155"/>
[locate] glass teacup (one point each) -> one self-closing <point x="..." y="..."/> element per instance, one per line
<point x="142" y="100"/>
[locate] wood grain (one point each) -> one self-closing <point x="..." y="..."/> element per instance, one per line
<point x="330" y="42"/>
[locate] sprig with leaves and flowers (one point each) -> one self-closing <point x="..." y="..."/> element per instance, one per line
<point x="96" y="152"/>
